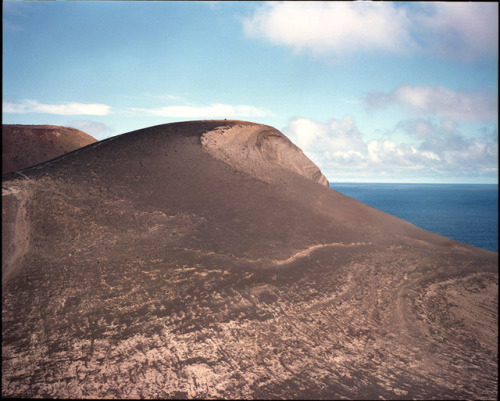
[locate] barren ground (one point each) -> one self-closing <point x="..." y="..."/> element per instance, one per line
<point x="147" y="266"/>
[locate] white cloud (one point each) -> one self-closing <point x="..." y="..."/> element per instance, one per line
<point x="316" y="138"/>
<point x="32" y="106"/>
<point x="439" y="101"/>
<point x="214" y="110"/>
<point x="306" y="132"/>
<point x="443" y="29"/>
<point x="459" y="30"/>
<point x="338" y="148"/>
<point x="96" y="129"/>
<point x="324" y="27"/>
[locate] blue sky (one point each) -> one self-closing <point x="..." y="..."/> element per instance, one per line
<point x="370" y="91"/>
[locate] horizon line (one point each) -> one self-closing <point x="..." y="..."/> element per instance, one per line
<point x="410" y="182"/>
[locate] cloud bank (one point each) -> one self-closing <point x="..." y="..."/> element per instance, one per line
<point x="326" y="26"/>
<point x="464" y="31"/>
<point x="32" y="106"/>
<point x="478" y="105"/>
<point x="435" y="152"/>
<point x="215" y="110"/>
<point x="212" y="111"/>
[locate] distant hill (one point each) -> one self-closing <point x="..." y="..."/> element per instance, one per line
<point x="27" y="145"/>
<point x="210" y="260"/>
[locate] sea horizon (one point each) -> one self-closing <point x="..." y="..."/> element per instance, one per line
<point x="412" y="183"/>
<point x="465" y="212"/>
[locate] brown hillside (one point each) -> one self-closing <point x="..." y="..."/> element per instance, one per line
<point x="27" y="145"/>
<point x="209" y="259"/>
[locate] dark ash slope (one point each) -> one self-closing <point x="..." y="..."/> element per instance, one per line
<point x="210" y="259"/>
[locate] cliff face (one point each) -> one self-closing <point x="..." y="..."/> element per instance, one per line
<point x="27" y="145"/>
<point x="209" y="259"/>
<point x="259" y="149"/>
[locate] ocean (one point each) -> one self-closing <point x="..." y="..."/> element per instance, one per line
<point x="465" y="212"/>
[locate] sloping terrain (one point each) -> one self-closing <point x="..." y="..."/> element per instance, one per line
<point x="210" y="259"/>
<point x="27" y="145"/>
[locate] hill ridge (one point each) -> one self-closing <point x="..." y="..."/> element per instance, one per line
<point x="155" y="264"/>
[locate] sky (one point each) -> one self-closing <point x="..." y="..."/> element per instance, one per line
<point x="370" y="91"/>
